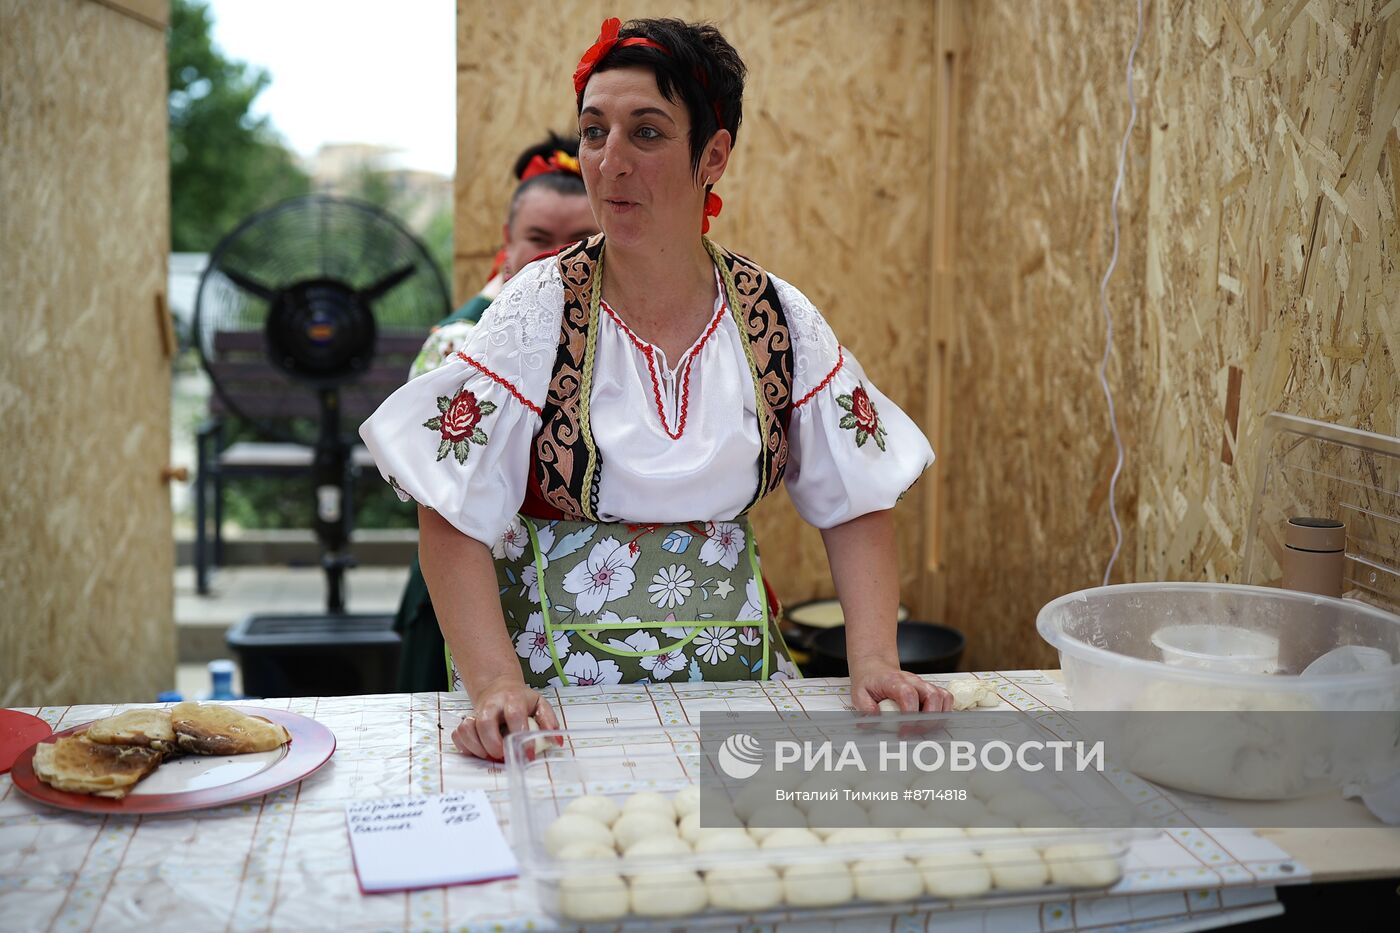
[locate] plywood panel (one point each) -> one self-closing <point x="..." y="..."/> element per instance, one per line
<point x="1043" y="107"/>
<point x="1257" y="273"/>
<point x="1271" y="280"/>
<point x="86" y="554"/>
<point x="829" y="186"/>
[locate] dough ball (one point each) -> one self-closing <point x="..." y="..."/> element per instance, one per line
<point x="687" y="800"/>
<point x="888" y="707"/>
<point x="818" y="884"/>
<point x="668" y="893"/>
<point x="1021" y="805"/>
<point x="1016" y="869"/>
<point x="657" y="847"/>
<point x="572" y="827"/>
<point x="901" y="814"/>
<point x="982" y="831"/>
<point x="724" y="840"/>
<point x="537" y="746"/>
<point x="790" y="838"/>
<point x="592" y="898"/>
<point x="967" y="692"/>
<point x="650" y="801"/>
<point x="954" y="875"/>
<point x="689" y="827"/>
<point x="578" y="851"/>
<point x="887" y="879"/>
<point x="931" y="833"/>
<point x="633" y="827"/>
<point x="775" y="816"/>
<point x="1082" y="865"/>
<point x="839" y="815"/>
<point x="744" y="887"/>
<point x="860" y="836"/>
<point x="601" y="809"/>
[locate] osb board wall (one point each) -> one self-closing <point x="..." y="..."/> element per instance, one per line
<point x="829" y="186"/>
<point x="1271" y="261"/>
<point x="1027" y="472"/>
<point x="86" y="554"/>
<point x="1257" y="273"/>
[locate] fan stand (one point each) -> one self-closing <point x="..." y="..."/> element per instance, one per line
<point x="330" y="471"/>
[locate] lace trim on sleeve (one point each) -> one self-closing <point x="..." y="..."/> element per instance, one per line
<point x="519" y="333"/>
<point x="815" y="351"/>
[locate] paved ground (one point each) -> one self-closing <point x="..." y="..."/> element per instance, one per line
<point x="236" y="592"/>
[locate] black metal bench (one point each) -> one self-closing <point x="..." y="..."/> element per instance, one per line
<point x="249" y="385"/>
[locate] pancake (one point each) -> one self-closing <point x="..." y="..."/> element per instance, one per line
<point x="207" y="729"/>
<point x="76" y="765"/>
<point x="145" y="728"/>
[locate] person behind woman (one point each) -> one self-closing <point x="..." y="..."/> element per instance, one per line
<point x="607" y="428"/>
<point x="548" y="211"/>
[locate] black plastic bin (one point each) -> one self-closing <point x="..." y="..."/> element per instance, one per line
<point x="308" y="655"/>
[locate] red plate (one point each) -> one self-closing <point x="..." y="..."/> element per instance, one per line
<point x="18" y="731"/>
<point x="196" y="782"/>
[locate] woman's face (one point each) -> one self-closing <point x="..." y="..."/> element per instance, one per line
<point x="545" y="220"/>
<point x="634" y="150"/>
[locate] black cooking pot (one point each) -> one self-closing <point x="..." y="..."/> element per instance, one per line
<point x="803" y="620"/>
<point x="924" y="648"/>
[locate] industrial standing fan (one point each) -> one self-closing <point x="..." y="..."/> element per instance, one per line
<point x="313" y="286"/>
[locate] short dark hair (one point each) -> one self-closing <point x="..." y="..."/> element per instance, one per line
<point x="562" y="182"/>
<point x="699" y="65"/>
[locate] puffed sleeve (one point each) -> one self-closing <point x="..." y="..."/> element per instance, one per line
<point x="851" y="450"/>
<point x="457" y="439"/>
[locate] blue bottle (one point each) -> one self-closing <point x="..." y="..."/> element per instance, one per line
<point x="221" y="676"/>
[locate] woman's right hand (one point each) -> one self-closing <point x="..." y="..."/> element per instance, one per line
<point x="500" y="707"/>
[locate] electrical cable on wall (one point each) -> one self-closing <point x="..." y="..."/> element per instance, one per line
<point x="1108" y="315"/>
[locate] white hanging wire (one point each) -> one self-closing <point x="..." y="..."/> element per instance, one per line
<point x="1108" y="315"/>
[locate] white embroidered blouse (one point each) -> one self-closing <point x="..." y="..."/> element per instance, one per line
<point x="678" y="442"/>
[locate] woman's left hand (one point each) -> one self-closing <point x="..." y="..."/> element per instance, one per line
<point x="871" y="684"/>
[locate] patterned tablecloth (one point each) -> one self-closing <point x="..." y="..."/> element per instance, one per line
<point x="283" y="862"/>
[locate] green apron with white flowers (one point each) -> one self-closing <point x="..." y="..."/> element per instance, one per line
<point x="593" y="602"/>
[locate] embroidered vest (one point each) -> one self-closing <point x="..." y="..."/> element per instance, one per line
<point x="566" y="465"/>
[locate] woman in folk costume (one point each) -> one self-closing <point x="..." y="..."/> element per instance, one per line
<point x="548" y="211"/>
<point x="593" y="451"/>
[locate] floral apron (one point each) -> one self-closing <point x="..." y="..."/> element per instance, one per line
<point x="593" y="602"/>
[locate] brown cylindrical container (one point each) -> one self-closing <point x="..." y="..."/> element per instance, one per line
<point x="1313" y="555"/>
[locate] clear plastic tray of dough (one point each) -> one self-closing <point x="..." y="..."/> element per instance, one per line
<point x="606" y="830"/>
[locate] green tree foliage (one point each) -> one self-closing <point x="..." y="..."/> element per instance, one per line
<point x="225" y="163"/>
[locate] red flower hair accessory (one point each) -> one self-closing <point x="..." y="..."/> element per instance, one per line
<point x="558" y="161"/>
<point x="607" y="38"/>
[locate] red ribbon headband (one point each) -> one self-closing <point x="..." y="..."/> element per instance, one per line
<point x="558" y="161"/>
<point x="607" y="38"/>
